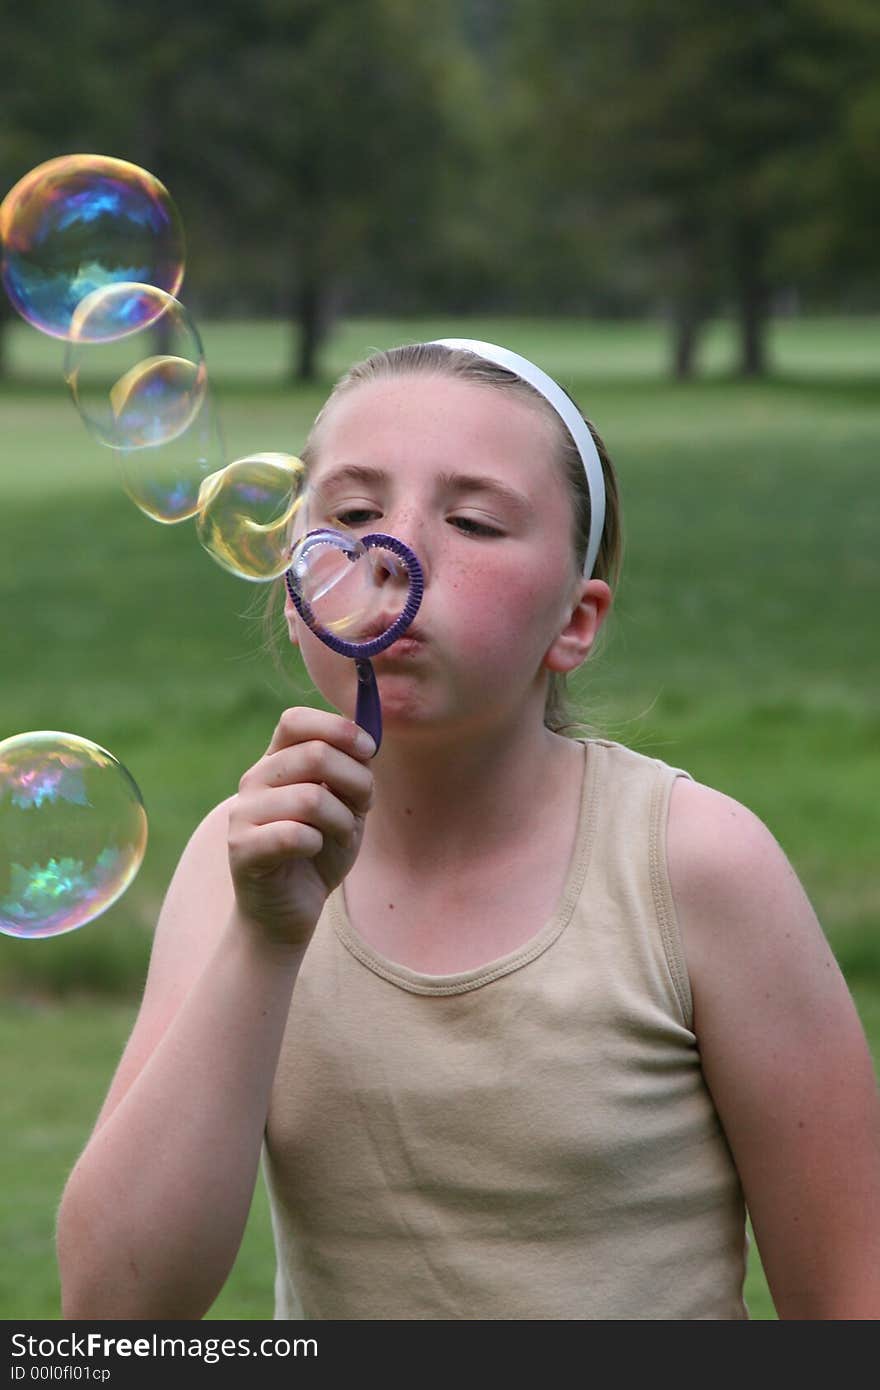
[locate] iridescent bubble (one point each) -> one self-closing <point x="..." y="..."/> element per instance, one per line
<point x="73" y="831"/>
<point x="351" y="591"/>
<point x="78" y="223"/>
<point x="247" y="511"/>
<point x="136" y="387"/>
<point x="164" y="480"/>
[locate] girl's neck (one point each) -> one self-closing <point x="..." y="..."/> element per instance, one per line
<point x="438" y="804"/>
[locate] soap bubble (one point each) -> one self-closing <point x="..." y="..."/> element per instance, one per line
<point x="164" y="480"/>
<point x="350" y="590"/>
<point x="135" y="366"/>
<point x="246" y="514"/>
<point x="77" y="223"/>
<point x="73" y="831"/>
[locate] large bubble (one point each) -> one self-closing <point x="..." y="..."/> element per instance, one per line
<point x="73" y="831"/>
<point x="78" y="223"/>
<point x="246" y="514"/>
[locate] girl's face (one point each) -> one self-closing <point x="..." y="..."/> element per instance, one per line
<point x="465" y="474"/>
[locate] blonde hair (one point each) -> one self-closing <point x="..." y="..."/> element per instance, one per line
<point x="433" y="358"/>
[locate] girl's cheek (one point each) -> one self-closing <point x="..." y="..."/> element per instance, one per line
<point x="503" y="618"/>
<point x="512" y="596"/>
<point x="334" y="675"/>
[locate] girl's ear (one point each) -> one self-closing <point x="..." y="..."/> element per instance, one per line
<point x="571" y="647"/>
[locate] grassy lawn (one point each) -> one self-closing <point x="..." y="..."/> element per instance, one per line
<point x="742" y="647"/>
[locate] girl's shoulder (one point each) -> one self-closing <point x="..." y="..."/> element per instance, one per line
<point x="624" y="751"/>
<point x="623" y="759"/>
<point x="203" y="866"/>
<point x="719" y="848"/>
<point x="724" y="864"/>
<point x="747" y="927"/>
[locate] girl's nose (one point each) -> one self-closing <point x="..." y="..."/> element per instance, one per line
<point x="408" y="527"/>
<point x="388" y="569"/>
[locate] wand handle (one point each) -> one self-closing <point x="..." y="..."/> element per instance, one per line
<point x="368" y="712"/>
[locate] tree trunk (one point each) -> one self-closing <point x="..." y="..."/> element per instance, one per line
<point x="163" y="337"/>
<point x="753" y="300"/>
<point x="691" y="292"/>
<point x="310" y="329"/>
<point x="686" y="324"/>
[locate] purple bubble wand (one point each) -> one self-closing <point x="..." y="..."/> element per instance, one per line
<point x="368" y="712"/>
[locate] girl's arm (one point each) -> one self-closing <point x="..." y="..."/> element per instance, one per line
<point x="153" y="1213"/>
<point x="784" y="1055"/>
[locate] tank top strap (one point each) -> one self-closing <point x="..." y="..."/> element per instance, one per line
<point x="629" y="859"/>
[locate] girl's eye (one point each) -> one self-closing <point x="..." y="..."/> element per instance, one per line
<point x="355" y="516"/>
<point x="469" y="526"/>
<point x="350" y="518"/>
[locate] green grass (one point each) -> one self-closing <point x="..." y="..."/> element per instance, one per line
<point x="742" y="647"/>
<point x="56" y="1060"/>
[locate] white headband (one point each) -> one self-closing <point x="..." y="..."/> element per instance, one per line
<point x="568" y="414"/>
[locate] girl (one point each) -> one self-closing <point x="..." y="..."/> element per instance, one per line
<point x="522" y="1023"/>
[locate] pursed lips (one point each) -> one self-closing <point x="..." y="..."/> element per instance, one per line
<point x="412" y="633"/>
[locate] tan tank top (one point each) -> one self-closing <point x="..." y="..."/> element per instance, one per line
<point x="532" y="1139"/>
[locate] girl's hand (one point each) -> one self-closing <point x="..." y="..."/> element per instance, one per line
<point x="296" y="826"/>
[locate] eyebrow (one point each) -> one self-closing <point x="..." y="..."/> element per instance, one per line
<point x="452" y="482"/>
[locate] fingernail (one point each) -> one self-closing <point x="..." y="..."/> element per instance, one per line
<point x="365" y="744"/>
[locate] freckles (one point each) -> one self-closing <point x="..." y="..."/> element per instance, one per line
<point x="480" y="594"/>
<point x="524" y="596"/>
<point x="501" y="611"/>
<point x="493" y="620"/>
<point x="510" y="619"/>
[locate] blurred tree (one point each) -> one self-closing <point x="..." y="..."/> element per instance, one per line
<point x="98" y="76"/>
<point x="829" y="244"/>
<point x="308" y="146"/>
<point x="330" y="140"/>
<point x="47" y="107"/>
<point x="678" y="130"/>
<point x="599" y="155"/>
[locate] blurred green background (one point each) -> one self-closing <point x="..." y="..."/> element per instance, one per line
<point x="672" y="213"/>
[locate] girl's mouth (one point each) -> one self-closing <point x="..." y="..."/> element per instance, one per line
<point x="406" y="645"/>
<point x="375" y="629"/>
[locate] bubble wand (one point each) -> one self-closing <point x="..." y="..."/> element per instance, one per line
<point x="333" y="598"/>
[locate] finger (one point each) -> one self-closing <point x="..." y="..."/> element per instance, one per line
<point x="260" y="849"/>
<point x="302" y="723"/>
<point x="317" y="762"/>
<point x="306" y="803"/>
